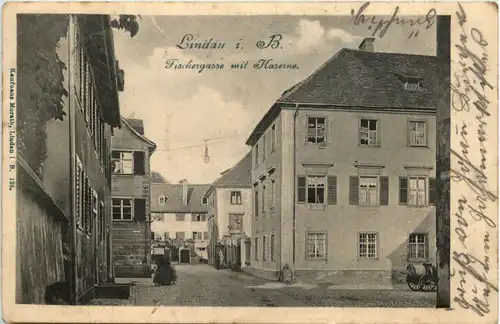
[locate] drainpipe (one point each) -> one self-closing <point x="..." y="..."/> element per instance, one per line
<point x="72" y="165"/>
<point x="295" y="115"/>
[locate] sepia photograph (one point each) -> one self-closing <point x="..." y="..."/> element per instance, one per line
<point x="251" y="160"/>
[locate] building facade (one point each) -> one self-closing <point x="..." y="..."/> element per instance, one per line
<point x="344" y="170"/>
<point x="64" y="198"/>
<point x="131" y="199"/>
<point x="180" y="214"/>
<point x="229" y="216"/>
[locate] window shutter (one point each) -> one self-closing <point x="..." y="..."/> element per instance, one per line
<point x="403" y="191"/>
<point x="353" y="190"/>
<point x="432" y="191"/>
<point x="301" y="181"/>
<point x="384" y="191"/>
<point x="193" y="217"/>
<point x="408" y="255"/>
<point x="139" y="210"/>
<point x="139" y="167"/>
<point x="332" y="190"/>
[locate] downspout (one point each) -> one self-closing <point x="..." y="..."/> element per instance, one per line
<point x="72" y="164"/>
<point x="295" y="115"/>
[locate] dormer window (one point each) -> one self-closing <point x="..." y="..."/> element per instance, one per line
<point x="204" y="201"/>
<point x="162" y="200"/>
<point x="413" y="85"/>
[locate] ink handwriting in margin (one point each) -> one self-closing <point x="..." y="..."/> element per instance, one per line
<point x="469" y="87"/>
<point x="381" y="26"/>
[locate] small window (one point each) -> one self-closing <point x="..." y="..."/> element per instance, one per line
<point x="273" y="137"/>
<point x="273" y="193"/>
<point x="162" y="200"/>
<point x="197" y="236"/>
<point x="264" y="249"/>
<point x="417" y="192"/>
<point x="418" y="247"/>
<point x="413" y="85"/>
<point x="122" y="209"/>
<point x="256" y="154"/>
<point x="256" y="202"/>
<point x="316" y="189"/>
<point x="263" y="202"/>
<point x="316" y="129"/>
<point x="256" y="249"/>
<point x="368" y="245"/>
<point x="264" y="144"/>
<point x="235" y="222"/>
<point x="122" y="162"/>
<point x="180" y="217"/>
<point x="417" y="133"/>
<point x="368" y="132"/>
<point x="368" y="191"/>
<point x="204" y="201"/>
<point x="166" y="236"/>
<point x="180" y="235"/>
<point x="273" y="257"/>
<point x="235" y="197"/>
<point x="316" y="245"/>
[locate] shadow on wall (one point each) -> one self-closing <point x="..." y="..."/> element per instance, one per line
<point x="400" y="256"/>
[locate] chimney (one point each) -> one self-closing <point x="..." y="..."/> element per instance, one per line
<point x="367" y="44"/>
<point x="184" y="184"/>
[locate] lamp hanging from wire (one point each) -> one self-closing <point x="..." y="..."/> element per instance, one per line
<point x="206" y="158"/>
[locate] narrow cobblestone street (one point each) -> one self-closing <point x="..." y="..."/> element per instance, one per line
<point x="202" y="285"/>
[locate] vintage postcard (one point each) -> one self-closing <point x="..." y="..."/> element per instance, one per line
<point x="250" y="162"/>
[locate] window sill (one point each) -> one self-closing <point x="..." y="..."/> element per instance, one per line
<point x="317" y="259"/>
<point x="123" y="220"/>
<point x="366" y="259"/>
<point x="423" y="260"/>
<point x="124" y="174"/>
<point x="317" y="206"/>
<point x="370" y="145"/>
<point x="419" y="146"/>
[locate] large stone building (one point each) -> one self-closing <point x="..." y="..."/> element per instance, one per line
<point x="344" y="167"/>
<point x="180" y="213"/>
<point x="63" y="162"/>
<point x="131" y="200"/>
<point x="230" y="215"/>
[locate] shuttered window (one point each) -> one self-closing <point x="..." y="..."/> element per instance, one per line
<point x="353" y="190"/>
<point x="332" y="190"/>
<point x="301" y="181"/>
<point x="384" y="191"/>
<point x="403" y="191"/>
<point x="140" y="210"/>
<point x="139" y="166"/>
<point x="432" y="191"/>
<point x="79" y="192"/>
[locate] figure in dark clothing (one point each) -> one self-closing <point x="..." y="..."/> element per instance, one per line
<point x="165" y="273"/>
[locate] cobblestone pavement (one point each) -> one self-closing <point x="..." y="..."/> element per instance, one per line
<point x="202" y="285"/>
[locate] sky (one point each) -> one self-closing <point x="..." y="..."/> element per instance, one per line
<point x="182" y="108"/>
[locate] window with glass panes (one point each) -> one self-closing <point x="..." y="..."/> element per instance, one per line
<point x="122" y="209"/>
<point x="235" y="197"/>
<point x="123" y="162"/>
<point x="316" y="129"/>
<point x="316" y="245"/>
<point x="368" y="132"/>
<point x="316" y="189"/>
<point x="418" y="246"/>
<point x="367" y="245"/>
<point x="417" y="133"/>
<point x="417" y="191"/>
<point x="368" y="191"/>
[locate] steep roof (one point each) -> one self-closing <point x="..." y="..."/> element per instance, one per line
<point x="368" y="79"/>
<point x="128" y="124"/>
<point x="239" y="176"/>
<point x="174" y="198"/>
<point x="136" y="124"/>
<point x="354" y="79"/>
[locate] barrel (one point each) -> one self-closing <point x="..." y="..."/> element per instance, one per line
<point x="415" y="271"/>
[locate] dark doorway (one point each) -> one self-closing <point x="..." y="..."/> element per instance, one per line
<point x="185" y="256"/>
<point x="238" y="255"/>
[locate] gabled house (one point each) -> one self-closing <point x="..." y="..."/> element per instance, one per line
<point x="229" y="215"/>
<point x="180" y="213"/>
<point x="63" y="164"/>
<point x="131" y="200"/>
<point x="343" y="169"/>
